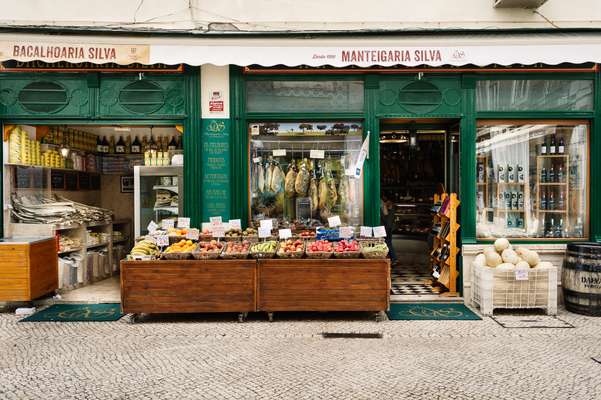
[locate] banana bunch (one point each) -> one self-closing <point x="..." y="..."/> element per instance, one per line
<point x="145" y="248"/>
<point x="264" y="247"/>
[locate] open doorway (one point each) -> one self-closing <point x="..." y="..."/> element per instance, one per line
<point x="418" y="159"/>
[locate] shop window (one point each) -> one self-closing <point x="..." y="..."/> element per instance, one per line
<point x="304" y="96"/>
<point x="43" y="97"/>
<point x="142" y="97"/>
<point x="532" y="180"/>
<point x="534" y="95"/>
<point x="303" y="173"/>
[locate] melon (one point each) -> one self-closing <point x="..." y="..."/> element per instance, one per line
<point x="502" y="244"/>
<point x="480" y="260"/>
<point x="510" y="256"/>
<point x="493" y="259"/>
<point x="506" y="266"/>
<point x="522" y="265"/>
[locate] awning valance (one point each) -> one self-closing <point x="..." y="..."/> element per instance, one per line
<point x="362" y="51"/>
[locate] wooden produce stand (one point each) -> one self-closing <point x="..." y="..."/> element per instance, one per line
<point x="189" y="286"/>
<point x="323" y="285"/>
<point x="28" y="268"/>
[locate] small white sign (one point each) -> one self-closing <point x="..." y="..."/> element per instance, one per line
<point x="162" y="240"/>
<point x="266" y="223"/>
<point x="379" y="231"/>
<point x="334" y="221"/>
<point x="193" y="234"/>
<point x="285" y="233"/>
<point x="346" y="232"/>
<point x="321" y="154"/>
<point x="435" y="274"/>
<point x="152" y="227"/>
<point x="257" y="160"/>
<point x="279" y="152"/>
<point x="366" y="231"/>
<point x="264" y="232"/>
<point x="349" y="172"/>
<point x="216" y="220"/>
<point x="235" y="224"/>
<point x="183" y="222"/>
<point x="218" y="231"/>
<point x="255" y="130"/>
<point x="167" y="223"/>
<point x="521" y="274"/>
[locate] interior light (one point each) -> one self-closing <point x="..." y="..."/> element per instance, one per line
<point x="65" y="151"/>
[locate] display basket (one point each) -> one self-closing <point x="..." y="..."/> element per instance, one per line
<point x="493" y="289"/>
<point x="251" y="238"/>
<point x="235" y="255"/>
<point x="140" y="257"/>
<point x="208" y="255"/>
<point x="177" y="256"/>
<point x="373" y="254"/>
<point x="175" y="239"/>
<point x="291" y="254"/>
<point x="204" y="237"/>
<point x="263" y="254"/>
<point x="347" y="254"/>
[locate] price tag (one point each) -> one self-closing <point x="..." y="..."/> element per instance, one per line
<point x="366" y="231"/>
<point x="183" y="222"/>
<point x="255" y="130"/>
<point x="235" y="224"/>
<point x="435" y="274"/>
<point x="206" y="226"/>
<point x="193" y="234"/>
<point x="264" y="232"/>
<point x="152" y="227"/>
<point x="167" y="223"/>
<point x="334" y="221"/>
<point x="346" y="232"/>
<point x="349" y="172"/>
<point x="317" y="154"/>
<point x="279" y="152"/>
<point x="216" y="221"/>
<point x="267" y="224"/>
<point x="379" y="231"/>
<point x="218" y="231"/>
<point x="521" y="274"/>
<point x="226" y="226"/>
<point x="285" y="233"/>
<point x="257" y="160"/>
<point x="162" y="240"/>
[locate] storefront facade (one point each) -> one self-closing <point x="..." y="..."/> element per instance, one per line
<point x="218" y="106"/>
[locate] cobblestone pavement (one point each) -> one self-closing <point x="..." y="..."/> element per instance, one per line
<point x="216" y="358"/>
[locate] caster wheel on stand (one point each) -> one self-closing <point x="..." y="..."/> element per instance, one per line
<point x="242" y="316"/>
<point x="270" y="316"/>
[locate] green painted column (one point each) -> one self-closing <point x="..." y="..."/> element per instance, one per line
<point x="595" y="163"/>
<point x="192" y="153"/>
<point x="371" y="189"/>
<point x="467" y="163"/>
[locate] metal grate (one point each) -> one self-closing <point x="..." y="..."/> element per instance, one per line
<point x="43" y="97"/>
<point x="142" y="97"/>
<point x="420" y="97"/>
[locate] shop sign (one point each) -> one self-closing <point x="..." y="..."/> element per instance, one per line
<point x="266" y="223"/>
<point x="75" y="52"/>
<point x="264" y="232"/>
<point x="64" y="66"/>
<point x="216" y="103"/>
<point x="521" y="275"/>
<point x="215" y="139"/>
<point x="362" y="156"/>
<point x="319" y="154"/>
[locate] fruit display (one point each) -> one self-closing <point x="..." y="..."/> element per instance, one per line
<point x="503" y="256"/>
<point x="236" y="249"/>
<point x="374" y="249"/>
<point x="145" y="249"/>
<point x="319" y="249"/>
<point x="347" y="249"/>
<point x="206" y="250"/>
<point x="250" y="232"/>
<point x="307" y="234"/>
<point x="233" y="234"/>
<point x="263" y="249"/>
<point x="183" y="246"/>
<point x="291" y="248"/>
<point x="178" y="232"/>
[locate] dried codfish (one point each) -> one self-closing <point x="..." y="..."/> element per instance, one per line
<point x="332" y="193"/>
<point x="301" y="184"/>
<point x="345" y="202"/>
<point x="323" y="192"/>
<point x="313" y="194"/>
<point x="268" y="177"/>
<point x="277" y="179"/>
<point x="290" y="179"/>
<point x="261" y="178"/>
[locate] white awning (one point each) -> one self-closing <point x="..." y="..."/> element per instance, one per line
<point x="362" y="51"/>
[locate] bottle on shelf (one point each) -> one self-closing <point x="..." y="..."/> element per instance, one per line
<point x="520" y="200"/>
<point x="561" y="147"/>
<point x="551" y="201"/>
<point x="558" y="228"/>
<point x="551" y="175"/>
<point x="543" y="200"/>
<point x="561" y="202"/>
<point x="180" y="142"/>
<point x="514" y="200"/>
<point x="112" y="145"/>
<point x="543" y="147"/>
<point x="560" y="174"/>
<point x="552" y="146"/>
<point x="105" y="145"/>
<point x="172" y="144"/>
<point x="144" y="144"/>
<point x="136" y="146"/>
<point x="120" y="146"/>
<point x="510" y="173"/>
<point x="99" y="146"/>
<point x="152" y="145"/>
<point x="543" y="175"/>
<point x="520" y="173"/>
<point x="128" y="144"/>
<point x="501" y="173"/>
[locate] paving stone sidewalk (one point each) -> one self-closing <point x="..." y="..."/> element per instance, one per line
<point x="213" y="357"/>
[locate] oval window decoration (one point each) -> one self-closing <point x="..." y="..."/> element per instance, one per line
<point x="43" y="97"/>
<point x="420" y="97"/>
<point x="142" y="97"/>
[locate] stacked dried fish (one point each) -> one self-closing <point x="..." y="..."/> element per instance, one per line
<point x="38" y="209"/>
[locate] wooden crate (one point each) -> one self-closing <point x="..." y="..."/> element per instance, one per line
<point x="28" y="270"/>
<point x="188" y="286"/>
<point x="323" y="285"/>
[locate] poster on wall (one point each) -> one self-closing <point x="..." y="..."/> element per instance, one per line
<point x="127" y="184"/>
<point x="215" y="137"/>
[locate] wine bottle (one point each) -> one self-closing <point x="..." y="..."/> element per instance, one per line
<point x="128" y="144"/>
<point x="560" y="174"/>
<point x="172" y="144"/>
<point x="551" y="175"/>
<point x="543" y="201"/>
<point x="136" y="146"/>
<point x="551" y="201"/>
<point x="99" y="146"/>
<point x="561" y="148"/>
<point x="552" y="147"/>
<point x="152" y="145"/>
<point x="510" y="173"/>
<point x="561" y="203"/>
<point x="120" y="146"/>
<point x="543" y="147"/>
<point x="112" y="145"/>
<point x="105" y="145"/>
<point x="144" y="144"/>
<point x="543" y="175"/>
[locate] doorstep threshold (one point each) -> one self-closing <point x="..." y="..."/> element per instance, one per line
<point x="424" y="298"/>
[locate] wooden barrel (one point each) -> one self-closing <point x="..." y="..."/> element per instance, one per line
<point x="581" y="278"/>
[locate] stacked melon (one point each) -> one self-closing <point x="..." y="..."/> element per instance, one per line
<point x="502" y="256"/>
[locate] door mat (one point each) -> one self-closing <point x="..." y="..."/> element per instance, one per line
<point x="431" y="311"/>
<point x="530" y="321"/>
<point x="77" y="313"/>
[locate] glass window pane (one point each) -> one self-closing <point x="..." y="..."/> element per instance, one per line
<point x="532" y="180"/>
<point x="534" y="95"/>
<point x="304" y="96"/>
<point x="298" y="173"/>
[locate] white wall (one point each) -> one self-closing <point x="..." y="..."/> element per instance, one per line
<point x="293" y="15"/>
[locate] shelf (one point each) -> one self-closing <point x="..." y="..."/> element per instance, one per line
<point x="520" y="210"/>
<point x="121" y="221"/>
<point x="50" y="168"/>
<point x="511" y="183"/>
<point x="173" y="210"/>
<point x="93" y="246"/>
<point x="173" y="189"/>
<point x="553" y="211"/>
<point x="70" y="251"/>
<point x="553" y="156"/>
<point x="120" y="240"/>
<point x="553" y="184"/>
<point x="99" y="223"/>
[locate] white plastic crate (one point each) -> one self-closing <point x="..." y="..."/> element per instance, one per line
<point x="532" y="288"/>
